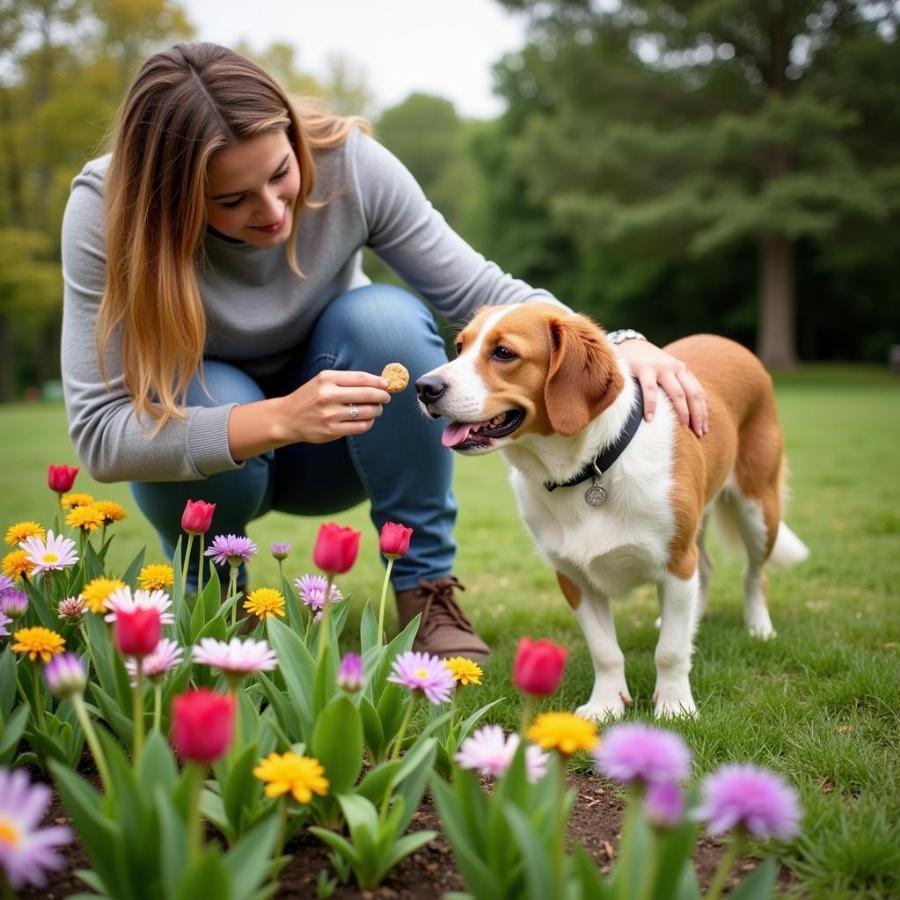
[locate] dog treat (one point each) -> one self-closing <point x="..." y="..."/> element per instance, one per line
<point x="397" y="377"/>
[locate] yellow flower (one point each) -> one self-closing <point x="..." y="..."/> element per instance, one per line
<point x="563" y="731"/>
<point x="16" y="564"/>
<point x="72" y="500"/>
<point x="95" y="592"/>
<point x="40" y="642"/>
<point x="17" y="533"/>
<point x="85" y="517"/>
<point x="464" y="671"/>
<point x="265" y="602"/>
<point x="301" y="775"/>
<point x="156" y="577"/>
<point x="110" y="510"/>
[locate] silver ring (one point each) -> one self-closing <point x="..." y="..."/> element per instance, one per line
<point x="354" y="412"/>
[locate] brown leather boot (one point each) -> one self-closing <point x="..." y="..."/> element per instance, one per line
<point x="443" y="629"/>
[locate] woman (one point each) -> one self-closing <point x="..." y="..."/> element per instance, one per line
<point x="218" y="324"/>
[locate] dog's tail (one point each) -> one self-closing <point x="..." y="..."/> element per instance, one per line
<point x="737" y="523"/>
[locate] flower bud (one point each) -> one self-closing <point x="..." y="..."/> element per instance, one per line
<point x="202" y="725"/>
<point x="394" y="540"/>
<point x="65" y="675"/>
<point x="197" y="516"/>
<point x="350" y="675"/>
<point x="61" y="478"/>
<point x="336" y="548"/>
<point x="538" y="667"/>
<point x="138" y="631"/>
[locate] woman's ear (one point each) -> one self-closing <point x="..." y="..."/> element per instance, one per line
<point x="583" y="378"/>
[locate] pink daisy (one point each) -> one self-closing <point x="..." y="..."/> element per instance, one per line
<point x="51" y="555"/>
<point x="237" y="658"/>
<point x="312" y="588"/>
<point x="423" y="672"/>
<point x="638" y="752"/>
<point x="490" y="752"/>
<point x="231" y="549"/>
<point x="162" y="660"/>
<point x="124" y="600"/>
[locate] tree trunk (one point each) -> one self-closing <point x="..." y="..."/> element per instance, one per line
<point x="776" y="333"/>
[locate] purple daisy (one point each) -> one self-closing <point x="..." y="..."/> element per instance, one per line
<point x="71" y="609"/>
<point x="281" y="551"/>
<point x="351" y="676"/>
<point x="125" y="600"/>
<point x="231" y="549"/>
<point x="6" y="583"/>
<point x="747" y="796"/>
<point x="642" y="753"/>
<point x="237" y="659"/>
<point x="13" y="603"/>
<point x="4" y="621"/>
<point x="423" y="672"/>
<point x="25" y="850"/>
<point x="312" y="588"/>
<point x="65" y="675"/>
<point x="51" y="555"/>
<point x="664" y="804"/>
<point x="163" y="659"/>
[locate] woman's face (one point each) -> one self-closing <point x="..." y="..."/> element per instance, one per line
<point x="252" y="188"/>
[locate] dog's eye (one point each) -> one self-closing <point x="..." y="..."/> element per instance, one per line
<point x="458" y="347"/>
<point x="503" y="354"/>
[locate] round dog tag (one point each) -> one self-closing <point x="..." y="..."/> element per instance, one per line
<point x="595" y="495"/>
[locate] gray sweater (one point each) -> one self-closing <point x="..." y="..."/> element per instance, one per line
<point x="258" y="311"/>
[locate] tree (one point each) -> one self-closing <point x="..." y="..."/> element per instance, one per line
<point x="681" y="129"/>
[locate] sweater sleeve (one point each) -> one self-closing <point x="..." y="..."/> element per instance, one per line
<point x="112" y="443"/>
<point x="413" y="238"/>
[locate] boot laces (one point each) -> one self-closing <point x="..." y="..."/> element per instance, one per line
<point x="440" y="607"/>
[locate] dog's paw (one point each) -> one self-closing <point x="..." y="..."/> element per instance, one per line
<point x="674" y="704"/>
<point x="609" y="706"/>
<point x="760" y="627"/>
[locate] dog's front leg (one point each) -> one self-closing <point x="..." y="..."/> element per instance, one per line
<point x="592" y="609"/>
<point x="679" y="601"/>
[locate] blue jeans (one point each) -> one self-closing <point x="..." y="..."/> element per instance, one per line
<point x="399" y="465"/>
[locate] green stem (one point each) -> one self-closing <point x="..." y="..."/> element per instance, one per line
<point x="6" y="891"/>
<point x="559" y="855"/>
<point x="232" y="590"/>
<point x="200" y="562"/>
<point x="527" y="713"/>
<point x="157" y="705"/>
<point x="279" y="841"/>
<point x="138" y="710"/>
<point x="395" y="753"/>
<point x="38" y="705"/>
<point x="22" y="693"/>
<point x="185" y="561"/>
<point x="726" y="864"/>
<point x="87" y="644"/>
<point x="626" y="846"/>
<point x="280" y="574"/>
<point x="195" y="841"/>
<point x="91" y="737"/>
<point x="325" y="624"/>
<point x="384" y="587"/>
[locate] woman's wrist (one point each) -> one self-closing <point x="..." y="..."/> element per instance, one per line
<point x="620" y="335"/>
<point x="255" y="428"/>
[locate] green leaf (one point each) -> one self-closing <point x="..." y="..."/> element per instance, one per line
<point x="758" y="884"/>
<point x="337" y="843"/>
<point x="535" y="854"/>
<point x="587" y="876"/>
<point x="401" y="849"/>
<point x="337" y="743"/>
<point x="134" y="567"/>
<point x="325" y="686"/>
<point x="248" y="861"/>
<point x="413" y="776"/>
<point x="240" y="787"/>
<point x="208" y="876"/>
<point x="675" y="851"/>
<point x="372" y="730"/>
<point x="11" y="732"/>
<point x="173" y="849"/>
<point x="368" y="629"/>
<point x="298" y="669"/>
<point x="157" y="765"/>
<point x="7" y="681"/>
<point x="284" y="711"/>
<point x="374" y="786"/>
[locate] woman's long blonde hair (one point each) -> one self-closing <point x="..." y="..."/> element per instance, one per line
<point x="185" y="104"/>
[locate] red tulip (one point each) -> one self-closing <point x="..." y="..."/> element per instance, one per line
<point x="202" y="725"/>
<point x="61" y="478"/>
<point x="538" y="667"/>
<point x="336" y="548"/>
<point x="197" y="516"/>
<point x="138" y="631"/>
<point x="394" y="540"/>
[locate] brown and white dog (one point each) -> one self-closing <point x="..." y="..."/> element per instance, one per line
<point x="545" y="386"/>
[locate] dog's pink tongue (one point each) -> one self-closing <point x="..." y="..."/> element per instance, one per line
<point x="455" y="433"/>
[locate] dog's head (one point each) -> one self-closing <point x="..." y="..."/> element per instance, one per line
<point x="531" y="368"/>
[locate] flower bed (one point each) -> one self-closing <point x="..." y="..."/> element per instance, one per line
<point x="227" y="747"/>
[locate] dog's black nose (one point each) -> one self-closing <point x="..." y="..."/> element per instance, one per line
<point x="430" y="388"/>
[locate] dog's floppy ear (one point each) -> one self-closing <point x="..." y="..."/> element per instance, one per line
<point x="583" y="378"/>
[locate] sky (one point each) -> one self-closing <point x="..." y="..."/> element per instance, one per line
<point x="443" y="47"/>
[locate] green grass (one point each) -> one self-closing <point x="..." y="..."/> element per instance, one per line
<point x="821" y="703"/>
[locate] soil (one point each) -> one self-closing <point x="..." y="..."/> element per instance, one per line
<point x="430" y="872"/>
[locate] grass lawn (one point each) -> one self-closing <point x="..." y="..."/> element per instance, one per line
<point x="821" y="703"/>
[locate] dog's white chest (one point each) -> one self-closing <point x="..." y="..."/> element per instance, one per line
<point x="621" y="543"/>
